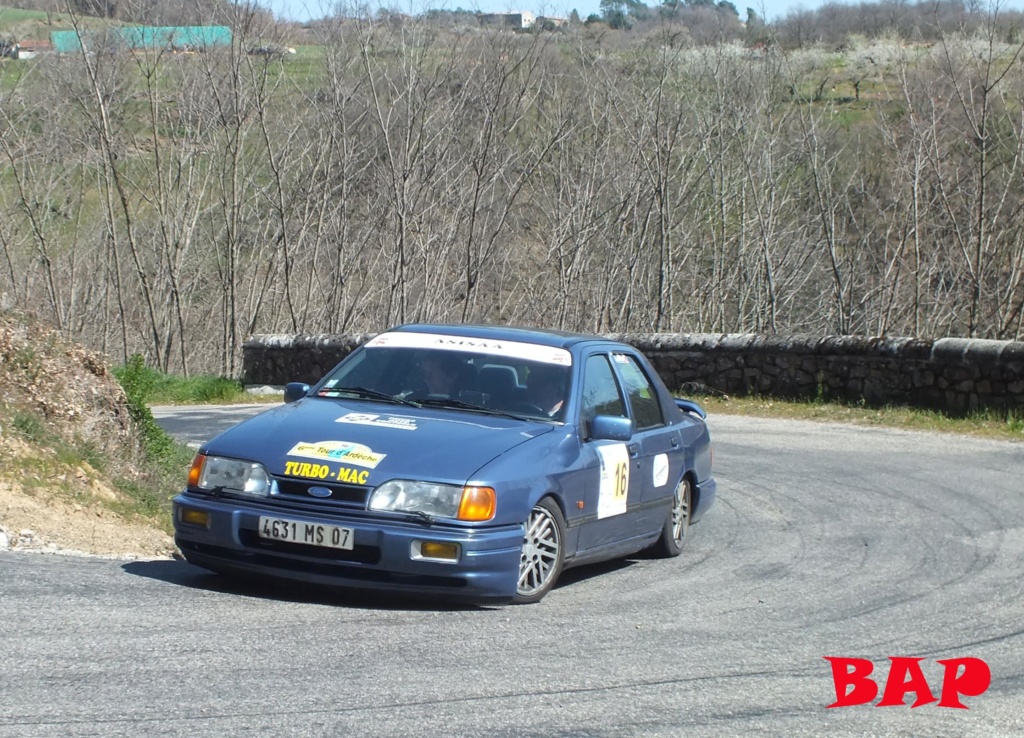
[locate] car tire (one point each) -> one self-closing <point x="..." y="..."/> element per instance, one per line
<point x="676" y="530"/>
<point x="543" y="553"/>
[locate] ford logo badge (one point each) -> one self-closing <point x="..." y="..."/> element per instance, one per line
<point x="319" y="491"/>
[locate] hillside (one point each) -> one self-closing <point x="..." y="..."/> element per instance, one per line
<point x="174" y="204"/>
<point x="36" y="25"/>
<point x="73" y="473"/>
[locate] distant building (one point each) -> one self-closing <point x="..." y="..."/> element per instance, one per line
<point x="523" y="19"/>
<point x="549" y="21"/>
<point x="28" y="49"/>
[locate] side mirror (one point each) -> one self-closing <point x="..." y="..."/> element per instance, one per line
<point x="295" y="391"/>
<point x="611" y="428"/>
<point x="691" y="407"/>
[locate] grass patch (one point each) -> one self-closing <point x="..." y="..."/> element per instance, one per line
<point x="10" y="16"/>
<point x="152" y="387"/>
<point x="30" y="426"/>
<point x="33" y="473"/>
<point x="37" y="24"/>
<point x="82" y="452"/>
<point x="77" y="452"/>
<point x="10" y="75"/>
<point x="146" y="503"/>
<point x="203" y="389"/>
<point x="1007" y="425"/>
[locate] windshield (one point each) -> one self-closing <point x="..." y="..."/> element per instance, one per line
<point x="490" y="376"/>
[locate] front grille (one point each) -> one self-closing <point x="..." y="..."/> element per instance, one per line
<point x="346" y="495"/>
<point x="359" y="554"/>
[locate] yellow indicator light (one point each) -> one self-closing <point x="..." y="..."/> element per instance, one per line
<point x="439" y="550"/>
<point x="195" y="517"/>
<point x="196" y="471"/>
<point x="478" y="504"/>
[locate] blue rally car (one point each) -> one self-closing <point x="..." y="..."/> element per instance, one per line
<point x="465" y="461"/>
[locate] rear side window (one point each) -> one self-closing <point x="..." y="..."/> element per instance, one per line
<point x="601" y="394"/>
<point x="642" y="397"/>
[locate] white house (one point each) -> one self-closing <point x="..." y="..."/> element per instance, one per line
<point x="522" y="19"/>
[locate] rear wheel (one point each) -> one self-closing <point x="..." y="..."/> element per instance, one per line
<point x="543" y="552"/>
<point x="677" y="523"/>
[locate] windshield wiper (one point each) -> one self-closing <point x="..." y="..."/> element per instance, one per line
<point x="369" y="394"/>
<point x="448" y="402"/>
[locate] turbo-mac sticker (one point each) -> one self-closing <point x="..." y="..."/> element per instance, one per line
<point x="350" y="453"/>
<point x="323" y="471"/>
<point x="613" y="487"/>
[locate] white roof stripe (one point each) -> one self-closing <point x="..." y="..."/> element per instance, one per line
<point x="513" y="349"/>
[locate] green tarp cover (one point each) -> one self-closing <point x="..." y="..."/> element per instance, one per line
<point x="143" y="37"/>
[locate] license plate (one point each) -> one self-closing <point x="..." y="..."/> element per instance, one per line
<point x="311" y="534"/>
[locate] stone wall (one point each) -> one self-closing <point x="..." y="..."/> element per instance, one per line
<point x="279" y="359"/>
<point x="952" y="374"/>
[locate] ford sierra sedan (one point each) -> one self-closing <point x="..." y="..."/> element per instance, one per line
<point x="472" y="462"/>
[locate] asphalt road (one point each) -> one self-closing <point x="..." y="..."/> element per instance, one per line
<point x="826" y="541"/>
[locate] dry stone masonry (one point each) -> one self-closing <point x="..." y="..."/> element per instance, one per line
<point x="952" y="374"/>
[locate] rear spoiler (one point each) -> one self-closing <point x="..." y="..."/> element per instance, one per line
<point x="691" y="407"/>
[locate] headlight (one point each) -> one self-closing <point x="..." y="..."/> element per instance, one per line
<point x="435" y="500"/>
<point x="229" y="475"/>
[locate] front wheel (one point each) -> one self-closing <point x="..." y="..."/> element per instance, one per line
<point x="543" y="552"/>
<point x="677" y="523"/>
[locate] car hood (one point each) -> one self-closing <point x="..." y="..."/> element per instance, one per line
<point x="369" y="443"/>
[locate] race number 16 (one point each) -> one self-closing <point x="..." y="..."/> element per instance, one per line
<point x="621" y="479"/>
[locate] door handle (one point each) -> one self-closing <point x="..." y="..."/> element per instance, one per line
<point x="634" y="449"/>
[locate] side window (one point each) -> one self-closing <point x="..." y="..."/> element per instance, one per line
<point x="642" y="397"/>
<point x="601" y="394"/>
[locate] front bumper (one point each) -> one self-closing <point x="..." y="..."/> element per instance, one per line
<point x="382" y="559"/>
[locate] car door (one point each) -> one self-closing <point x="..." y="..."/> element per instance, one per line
<point x="612" y="474"/>
<point x="655" y="447"/>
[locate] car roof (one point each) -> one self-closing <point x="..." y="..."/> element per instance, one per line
<point x="542" y="337"/>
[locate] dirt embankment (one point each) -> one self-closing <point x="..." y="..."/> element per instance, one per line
<point x="65" y="435"/>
